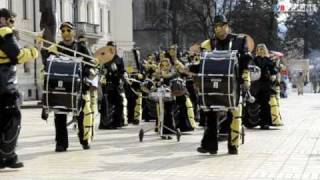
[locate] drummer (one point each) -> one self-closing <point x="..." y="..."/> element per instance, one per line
<point x="162" y="76"/>
<point x="184" y="114"/>
<point x="86" y="117"/>
<point x="224" y="40"/>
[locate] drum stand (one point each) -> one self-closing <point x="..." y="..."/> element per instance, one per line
<point x="160" y="96"/>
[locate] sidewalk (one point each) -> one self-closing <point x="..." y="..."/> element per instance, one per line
<point x="289" y="152"/>
<point x="31" y="104"/>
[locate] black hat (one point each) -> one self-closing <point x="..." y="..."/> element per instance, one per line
<point x="220" y="19"/>
<point x="6" y="13"/>
<point x="66" y="24"/>
<point x="111" y="43"/>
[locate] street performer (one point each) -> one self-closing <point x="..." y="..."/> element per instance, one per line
<point x="10" y="115"/>
<point x="86" y="117"/>
<point x="266" y="93"/>
<point x="114" y="102"/>
<point x="222" y="41"/>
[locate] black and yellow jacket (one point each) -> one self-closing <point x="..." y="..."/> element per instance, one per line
<point x="10" y="56"/>
<point x="10" y="53"/>
<point x="239" y="43"/>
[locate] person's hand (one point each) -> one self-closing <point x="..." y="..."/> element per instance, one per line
<point x="39" y="41"/>
<point x="273" y="77"/>
<point x="92" y="73"/>
<point x="140" y="76"/>
<point x="246" y="86"/>
<point x="103" y="80"/>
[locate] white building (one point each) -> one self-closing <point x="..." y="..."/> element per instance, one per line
<point x="99" y="20"/>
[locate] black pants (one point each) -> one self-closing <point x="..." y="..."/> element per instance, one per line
<point x="210" y="136"/>
<point x="265" y="109"/>
<point x="112" y="109"/>
<point x="60" y="122"/>
<point x="263" y="94"/>
<point x="10" y="124"/>
<point x="131" y="97"/>
<point x="181" y="117"/>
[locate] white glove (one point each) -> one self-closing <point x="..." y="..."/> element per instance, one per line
<point x="273" y="77"/>
<point x="246" y="86"/>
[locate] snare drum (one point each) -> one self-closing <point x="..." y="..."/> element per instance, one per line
<point x="161" y="92"/>
<point x="178" y="87"/>
<point x="62" y="84"/>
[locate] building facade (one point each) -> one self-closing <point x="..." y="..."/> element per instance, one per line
<point x="149" y="35"/>
<point x="99" y="20"/>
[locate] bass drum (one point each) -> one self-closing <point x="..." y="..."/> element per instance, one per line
<point x="62" y="84"/>
<point x="218" y="80"/>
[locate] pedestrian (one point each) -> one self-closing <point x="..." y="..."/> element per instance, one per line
<point x="300" y="82"/>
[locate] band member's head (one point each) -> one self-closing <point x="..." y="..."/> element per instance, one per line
<point x="7" y="18"/>
<point x="162" y="55"/>
<point x="150" y="58"/>
<point x="67" y="31"/>
<point x="165" y="64"/>
<point x="221" y="27"/>
<point x="173" y="50"/>
<point x="111" y="45"/>
<point x="262" y="50"/>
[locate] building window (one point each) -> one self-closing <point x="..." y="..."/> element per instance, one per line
<point x="101" y="20"/>
<point x="109" y="21"/>
<point x="89" y="13"/>
<point x="10" y="5"/>
<point x="25" y="13"/>
<point x="61" y="10"/>
<point x="164" y="5"/>
<point x="150" y="9"/>
<point x="29" y="93"/>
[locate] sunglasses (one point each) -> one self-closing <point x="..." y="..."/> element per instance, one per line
<point x="68" y="30"/>
<point x="11" y="21"/>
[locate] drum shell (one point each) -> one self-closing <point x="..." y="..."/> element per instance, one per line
<point x="62" y="85"/>
<point x="219" y="87"/>
<point x="178" y="87"/>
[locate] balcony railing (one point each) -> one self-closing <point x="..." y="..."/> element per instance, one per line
<point x="92" y="30"/>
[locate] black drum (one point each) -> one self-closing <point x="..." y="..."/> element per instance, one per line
<point x="161" y="92"/>
<point x="218" y="80"/>
<point x="178" y="87"/>
<point x="62" y="84"/>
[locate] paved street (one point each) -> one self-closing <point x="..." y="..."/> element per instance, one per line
<point x="290" y="152"/>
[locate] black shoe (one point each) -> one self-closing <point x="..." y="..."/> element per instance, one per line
<point x="2" y="163"/>
<point x="232" y="150"/>
<point x="44" y="114"/>
<point x="102" y="127"/>
<point x="135" y="122"/>
<point x="223" y="137"/>
<point x="13" y="163"/>
<point x="61" y="149"/>
<point x="202" y="150"/>
<point x="86" y="146"/>
<point x="265" y="127"/>
<point x="166" y="137"/>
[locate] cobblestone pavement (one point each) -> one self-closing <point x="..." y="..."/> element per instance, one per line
<point x="289" y="152"/>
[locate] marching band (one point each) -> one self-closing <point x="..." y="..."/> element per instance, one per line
<point x="213" y="87"/>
